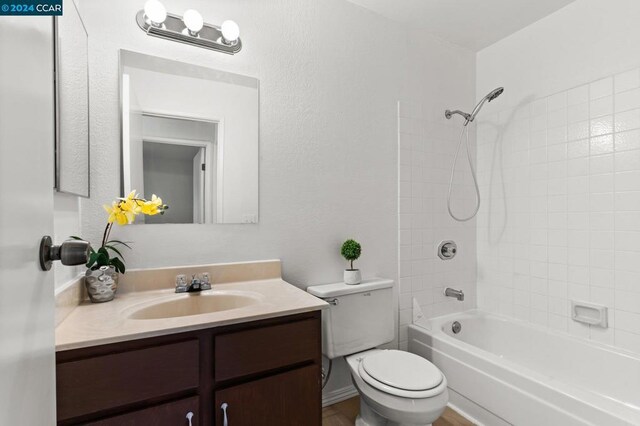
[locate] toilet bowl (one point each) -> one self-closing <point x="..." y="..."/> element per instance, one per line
<point x="397" y="388"/>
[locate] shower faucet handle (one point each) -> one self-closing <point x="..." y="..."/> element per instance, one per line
<point x="447" y="250"/>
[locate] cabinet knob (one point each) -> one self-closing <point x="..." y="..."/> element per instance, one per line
<point x="224" y="411"/>
<point x="189" y="417"/>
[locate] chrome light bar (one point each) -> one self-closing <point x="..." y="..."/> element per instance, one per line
<point x="174" y="28"/>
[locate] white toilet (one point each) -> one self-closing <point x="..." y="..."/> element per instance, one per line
<point x="396" y="387"/>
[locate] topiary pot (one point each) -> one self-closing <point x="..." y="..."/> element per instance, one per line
<point x="352" y="276"/>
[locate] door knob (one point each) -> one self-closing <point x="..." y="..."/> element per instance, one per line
<point x="72" y="252"/>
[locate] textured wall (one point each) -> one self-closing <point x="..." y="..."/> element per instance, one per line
<point x="66" y="222"/>
<point x="329" y="85"/>
<point x="559" y="162"/>
<point x="331" y="74"/>
<point x="327" y="134"/>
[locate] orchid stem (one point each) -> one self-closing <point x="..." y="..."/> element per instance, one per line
<point x="107" y="231"/>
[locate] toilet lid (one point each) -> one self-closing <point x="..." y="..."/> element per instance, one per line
<point x="402" y="370"/>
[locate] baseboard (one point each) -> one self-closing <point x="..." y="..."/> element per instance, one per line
<point x="338" y="395"/>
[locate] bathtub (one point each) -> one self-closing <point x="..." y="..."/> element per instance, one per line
<point x="504" y="371"/>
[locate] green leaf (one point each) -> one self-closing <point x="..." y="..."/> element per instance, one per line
<point x="102" y="259"/>
<point x="112" y="242"/>
<point x="103" y="251"/>
<point x="351" y="250"/>
<point x="118" y="264"/>
<point x="115" y="250"/>
<point x="92" y="259"/>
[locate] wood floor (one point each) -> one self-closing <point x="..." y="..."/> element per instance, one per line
<point x="344" y="414"/>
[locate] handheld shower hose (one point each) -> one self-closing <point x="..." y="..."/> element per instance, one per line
<point x="464" y="135"/>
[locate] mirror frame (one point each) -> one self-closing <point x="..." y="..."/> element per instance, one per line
<point x="58" y="146"/>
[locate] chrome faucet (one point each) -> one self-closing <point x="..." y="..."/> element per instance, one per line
<point x="197" y="284"/>
<point x="450" y="292"/>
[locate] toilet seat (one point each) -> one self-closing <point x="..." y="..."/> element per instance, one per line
<point x="401" y="374"/>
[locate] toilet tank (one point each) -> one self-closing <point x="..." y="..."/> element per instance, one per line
<point x="359" y="316"/>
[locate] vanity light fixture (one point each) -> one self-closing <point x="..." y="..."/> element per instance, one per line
<point x="190" y="28"/>
<point x="230" y="33"/>
<point x="154" y="13"/>
<point x="193" y="21"/>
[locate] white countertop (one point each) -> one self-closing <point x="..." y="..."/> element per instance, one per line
<point x="91" y="324"/>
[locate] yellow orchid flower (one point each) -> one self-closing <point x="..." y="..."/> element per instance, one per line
<point x="116" y="214"/>
<point x="124" y="210"/>
<point x="130" y="206"/>
<point x="112" y="211"/>
<point x="153" y="206"/>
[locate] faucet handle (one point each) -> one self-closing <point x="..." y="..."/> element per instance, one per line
<point x="181" y="283"/>
<point x="206" y="281"/>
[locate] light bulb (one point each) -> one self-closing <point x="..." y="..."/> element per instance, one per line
<point x="155" y="12"/>
<point x="193" y="21"/>
<point x="230" y="32"/>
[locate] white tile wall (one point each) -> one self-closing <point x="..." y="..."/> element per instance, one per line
<point x="427" y="144"/>
<point x="561" y="217"/>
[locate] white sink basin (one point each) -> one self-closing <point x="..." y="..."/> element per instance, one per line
<point x="183" y="305"/>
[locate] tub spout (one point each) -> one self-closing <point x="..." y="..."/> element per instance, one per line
<point x="450" y="292"/>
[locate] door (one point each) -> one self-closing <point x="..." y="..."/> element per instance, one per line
<point x="287" y="399"/>
<point x="27" y="380"/>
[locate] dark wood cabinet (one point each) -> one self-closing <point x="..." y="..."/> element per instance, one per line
<point x="275" y="400"/>
<point x="176" y="413"/>
<point x="267" y="372"/>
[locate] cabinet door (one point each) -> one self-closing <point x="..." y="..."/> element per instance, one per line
<point x="287" y="399"/>
<point x="170" y="414"/>
<point x="92" y="385"/>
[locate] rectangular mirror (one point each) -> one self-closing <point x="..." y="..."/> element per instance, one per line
<point x="190" y="136"/>
<point x="72" y="102"/>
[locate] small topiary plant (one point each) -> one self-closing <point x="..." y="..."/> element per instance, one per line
<point x="351" y="251"/>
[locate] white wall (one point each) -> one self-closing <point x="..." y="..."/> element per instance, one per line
<point x="66" y="222"/>
<point x="331" y="74"/>
<point x="329" y="86"/>
<point x="442" y="78"/>
<point x="559" y="163"/>
<point x="328" y="145"/>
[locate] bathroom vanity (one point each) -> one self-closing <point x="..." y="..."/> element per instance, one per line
<point x="257" y="364"/>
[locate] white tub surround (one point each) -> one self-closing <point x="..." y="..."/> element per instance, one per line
<point x="559" y="171"/>
<point x="505" y="371"/>
<point x="91" y="324"/>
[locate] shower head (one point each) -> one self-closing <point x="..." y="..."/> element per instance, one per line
<point x="495" y="93"/>
<point x="470" y="117"/>
<point x="491" y="96"/>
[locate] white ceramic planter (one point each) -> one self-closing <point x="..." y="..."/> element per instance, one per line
<point x="352" y="276"/>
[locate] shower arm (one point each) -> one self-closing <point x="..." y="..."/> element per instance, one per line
<point x="449" y="114"/>
<point x="470" y="117"/>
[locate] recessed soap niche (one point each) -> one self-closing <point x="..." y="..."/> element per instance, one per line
<point x="589" y="313"/>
